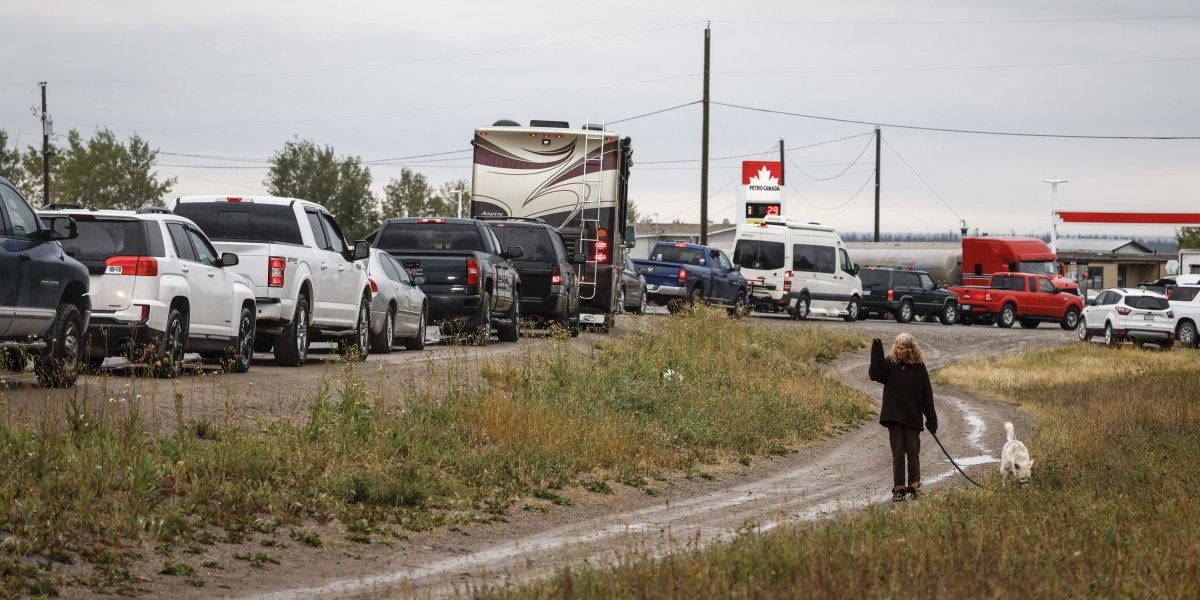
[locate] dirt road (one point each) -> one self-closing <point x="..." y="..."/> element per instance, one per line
<point x="849" y="471"/>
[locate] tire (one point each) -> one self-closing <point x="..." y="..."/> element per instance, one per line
<point x="417" y="342"/>
<point x="1186" y="334"/>
<point x="621" y="300"/>
<point x="1070" y="319"/>
<point x="949" y="313"/>
<point x="1007" y="317"/>
<point x="238" y="357"/>
<point x="696" y="298"/>
<point x="801" y="312"/>
<point x="357" y="346"/>
<point x="291" y="346"/>
<point x="1030" y="323"/>
<point x="852" y="311"/>
<point x="738" y="309"/>
<point x="512" y="331"/>
<point x="1082" y="331"/>
<point x="674" y="305"/>
<point x="1110" y="337"/>
<point x="904" y="314"/>
<point x="381" y="343"/>
<point x="168" y="357"/>
<point x="641" y="307"/>
<point x="58" y="365"/>
<point x="482" y="335"/>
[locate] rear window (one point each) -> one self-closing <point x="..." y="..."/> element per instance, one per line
<point x="757" y="254"/>
<point x="874" y="276"/>
<point x="1184" y="294"/>
<point x="676" y="254"/>
<point x="1147" y="302"/>
<point x="1007" y="282"/>
<point x="437" y="236"/>
<point x="535" y="242"/>
<point x="101" y="240"/>
<point x="244" y="221"/>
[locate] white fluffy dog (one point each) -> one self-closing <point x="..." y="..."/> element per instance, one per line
<point x="1014" y="458"/>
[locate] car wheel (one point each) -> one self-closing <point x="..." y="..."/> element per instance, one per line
<point x="58" y="365"/>
<point x="239" y="356"/>
<point x="904" y="314"/>
<point x="641" y="307"/>
<point x="168" y="362"/>
<point x="382" y="342"/>
<point x="801" y="311"/>
<point x="674" y="305"/>
<point x="1070" y="319"/>
<point x="949" y="314"/>
<point x="291" y="346"/>
<point x="738" y="309"/>
<point x="358" y="345"/>
<point x="512" y="331"/>
<point x="483" y="330"/>
<point x="1030" y="323"/>
<point x="1082" y="331"/>
<point x="621" y="300"/>
<point x="1008" y="316"/>
<point x="1186" y="334"/>
<point x="1110" y="337"/>
<point x="852" y="310"/>
<point x="417" y="342"/>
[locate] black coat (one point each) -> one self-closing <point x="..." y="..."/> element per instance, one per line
<point x="907" y="393"/>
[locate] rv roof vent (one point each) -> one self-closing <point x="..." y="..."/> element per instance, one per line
<point x="506" y="123"/>
<point x="594" y="127"/>
<point x="153" y="210"/>
<point x="555" y="124"/>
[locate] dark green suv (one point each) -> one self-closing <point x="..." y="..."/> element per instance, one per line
<point x="905" y="294"/>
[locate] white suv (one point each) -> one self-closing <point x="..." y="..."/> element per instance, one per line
<point x="159" y="289"/>
<point x="1128" y="314"/>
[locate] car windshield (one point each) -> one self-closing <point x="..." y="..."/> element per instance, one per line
<point x="1039" y="267"/>
<point x="243" y="221"/>
<point x="678" y="254"/>
<point x="1147" y="302"/>
<point x="757" y="254"/>
<point x="430" y="236"/>
<point x="535" y="242"/>
<point x="101" y="240"/>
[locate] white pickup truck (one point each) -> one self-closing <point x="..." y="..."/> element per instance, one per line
<point x="309" y="284"/>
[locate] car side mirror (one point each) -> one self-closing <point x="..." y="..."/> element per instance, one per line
<point x="630" y="239"/>
<point x="737" y="268"/>
<point x="1089" y="302"/>
<point x="578" y="258"/>
<point x="513" y="252"/>
<point x="418" y="280"/>
<point x="228" y="259"/>
<point x="62" y="228"/>
<point x="361" y="250"/>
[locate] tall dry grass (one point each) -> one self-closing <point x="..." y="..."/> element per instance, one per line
<point x="1113" y="510"/>
<point x="461" y="447"/>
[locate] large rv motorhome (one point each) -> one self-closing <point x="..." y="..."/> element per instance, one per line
<point x="576" y="180"/>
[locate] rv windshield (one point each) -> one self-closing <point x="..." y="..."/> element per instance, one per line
<point x="757" y="254"/>
<point x="1041" y="267"/>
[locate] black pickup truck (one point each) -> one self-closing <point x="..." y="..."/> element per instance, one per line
<point x="44" y="302"/>
<point x="469" y="281"/>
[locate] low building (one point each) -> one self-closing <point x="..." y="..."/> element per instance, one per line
<point x="1103" y="263"/>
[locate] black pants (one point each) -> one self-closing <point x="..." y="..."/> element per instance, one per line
<point x="906" y="442"/>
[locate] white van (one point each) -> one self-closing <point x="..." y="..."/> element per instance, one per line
<point x="802" y="268"/>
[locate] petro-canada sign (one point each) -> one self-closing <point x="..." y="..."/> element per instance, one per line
<point x="761" y="193"/>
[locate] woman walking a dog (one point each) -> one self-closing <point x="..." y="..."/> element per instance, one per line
<point x="907" y="396"/>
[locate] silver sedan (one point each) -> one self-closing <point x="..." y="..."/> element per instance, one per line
<point x="399" y="309"/>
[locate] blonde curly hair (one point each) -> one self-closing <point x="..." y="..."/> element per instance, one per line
<point x="906" y="350"/>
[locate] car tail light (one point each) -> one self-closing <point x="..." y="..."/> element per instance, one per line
<point x="787" y="281"/>
<point x="555" y="277"/>
<point x="680" y="245"/>
<point x="1121" y="310"/>
<point x="432" y="220"/>
<point x="374" y="286"/>
<point x="145" y="312"/>
<point x="472" y="271"/>
<point x="146" y="266"/>
<point x="275" y="266"/>
<point x="683" y="276"/>
<point x="891" y="295"/>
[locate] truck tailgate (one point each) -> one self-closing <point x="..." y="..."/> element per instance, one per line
<point x="659" y="273"/>
<point x="439" y="270"/>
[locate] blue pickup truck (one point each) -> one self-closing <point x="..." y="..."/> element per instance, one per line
<point x="679" y="274"/>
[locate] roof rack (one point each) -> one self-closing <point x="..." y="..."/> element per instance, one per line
<point x="62" y="206"/>
<point x="154" y="210"/>
<point x="522" y="219"/>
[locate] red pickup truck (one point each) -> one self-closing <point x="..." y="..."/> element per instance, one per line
<point x="1023" y="298"/>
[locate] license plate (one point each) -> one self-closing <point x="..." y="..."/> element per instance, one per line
<point x="1149" y="317"/>
<point x="965" y="307"/>
<point x="591" y="318"/>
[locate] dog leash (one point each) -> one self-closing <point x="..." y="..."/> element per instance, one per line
<point x="964" y="473"/>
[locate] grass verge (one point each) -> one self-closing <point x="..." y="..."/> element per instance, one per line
<point x="1112" y="511"/>
<point x="98" y="489"/>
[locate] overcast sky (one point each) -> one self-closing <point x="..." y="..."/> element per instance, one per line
<point x="382" y="80"/>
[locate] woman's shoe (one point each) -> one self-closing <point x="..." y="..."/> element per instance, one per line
<point x="913" y="490"/>
<point x="898" y="494"/>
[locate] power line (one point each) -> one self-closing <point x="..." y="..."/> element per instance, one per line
<point x="654" y="112"/>
<point x="929" y="187"/>
<point x="968" y="131"/>
<point x="852" y="198"/>
<point x="842" y="172"/>
<point x="752" y="154"/>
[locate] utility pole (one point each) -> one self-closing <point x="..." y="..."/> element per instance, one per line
<point x="45" y="148"/>
<point x="877" y="141"/>
<point x="704" y="144"/>
<point x="781" y="165"/>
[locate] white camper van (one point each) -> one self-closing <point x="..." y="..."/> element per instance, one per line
<point x="802" y="268"/>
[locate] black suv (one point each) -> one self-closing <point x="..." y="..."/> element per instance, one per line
<point x="44" y="303"/>
<point x="905" y="294"/>
<point x="549" y="284"/>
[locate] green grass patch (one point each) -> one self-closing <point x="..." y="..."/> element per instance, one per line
<point x="1112" y="510"/>
<point x="96" y="488"/>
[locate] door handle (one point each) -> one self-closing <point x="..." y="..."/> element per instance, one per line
<point x="324" y="266"/>
<point x="24" y="257"/>
<point x="341" y="267"/>
<point x="184" y="269"/>
<point x="212" y="274"/>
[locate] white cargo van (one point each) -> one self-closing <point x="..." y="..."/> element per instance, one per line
<point x="802" y="268"/>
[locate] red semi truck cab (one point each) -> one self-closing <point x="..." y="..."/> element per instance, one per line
<point x="983" y="257"/>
